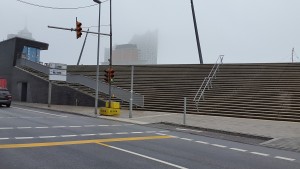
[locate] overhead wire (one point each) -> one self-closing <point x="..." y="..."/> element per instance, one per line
<point x="60" y="8"/>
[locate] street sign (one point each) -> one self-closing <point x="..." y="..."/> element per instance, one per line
<point x="57" y="72"/>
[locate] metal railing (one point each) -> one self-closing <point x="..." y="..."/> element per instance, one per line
<point x="33" y="65"/>
<point x="207" y="82"/>
<point x="118" y="92"/>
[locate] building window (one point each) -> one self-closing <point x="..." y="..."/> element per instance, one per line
<point x="30" y="53"/>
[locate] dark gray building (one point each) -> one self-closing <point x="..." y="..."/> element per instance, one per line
<point x="27" y="87"/>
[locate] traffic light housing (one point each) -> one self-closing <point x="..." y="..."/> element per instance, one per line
<point x="78" y="29"/>
<point x="109" y="75"/>
<point x="112" y="75"/>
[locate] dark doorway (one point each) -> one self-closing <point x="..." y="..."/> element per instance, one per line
<point x="24" y="92"/>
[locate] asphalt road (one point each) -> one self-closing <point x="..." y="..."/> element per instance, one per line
<point x="39" y="139"/>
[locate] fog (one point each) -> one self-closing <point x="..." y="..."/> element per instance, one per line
<point x="248" y="31"/>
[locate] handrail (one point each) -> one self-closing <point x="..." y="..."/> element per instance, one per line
<point x="118" y="92"/>
<point x="33" y="65"/>
<point x="208" y="80"/>
<point x="200" y="88"/>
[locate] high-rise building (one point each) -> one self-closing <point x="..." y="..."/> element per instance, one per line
<point x="147" y="44"/>
<point x="141" y="50"/>
<point x="126" y="54"/>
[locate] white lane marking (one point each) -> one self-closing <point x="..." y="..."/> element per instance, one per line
<point x="58" y="126"/>
<point x="89" y="125"/>
<point x="182" y="129"/>
<point x="285" y="158"/>
<point x="68" y="135"/>
<point x="4" y="138"/>
<point x="88" y="134"/>
<point x="63" y="136"/>
<point x="138" y="132"/>
<point x="6" y="128"/>
<point x="164" y="131"/>
<point x="104" y="134"/>
<point x="237" y="149"/>
<point x="18" y="138"/>
<point x="202" y="142"/>
<point x="122" y="133"/>
<point x="187" y="139"/>
<point x="115" y="125"/>
<point x="161" y="134"/>
<point x="44" y="127"/>
<point x="40" y="112"/>
<point x="47" y="136"/>
<point x="24" y="127"/>
<point x="147" y="157"/>
<point x="218" y="145"/>
<point x="150" y="131"/>
<point x="261" y="154"/>
<point x="154" y="116"/>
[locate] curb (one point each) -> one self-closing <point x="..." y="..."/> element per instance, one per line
<point x="219" y="131"/>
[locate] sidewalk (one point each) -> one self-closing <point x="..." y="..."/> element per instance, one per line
<point x="282" y="132"/>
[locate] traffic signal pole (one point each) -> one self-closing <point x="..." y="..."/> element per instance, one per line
<point x="110" y="57"/>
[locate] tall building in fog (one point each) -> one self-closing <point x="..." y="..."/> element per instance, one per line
<point x="125" y="54"/>
<point x="141" y="50"/>
<point x="147" y="44"/>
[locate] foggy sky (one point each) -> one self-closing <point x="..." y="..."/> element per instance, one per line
<point x="245" y="31"/>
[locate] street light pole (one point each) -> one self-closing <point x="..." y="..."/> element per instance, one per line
<point x="196" y="32"/>
<point x="98" y="53"/>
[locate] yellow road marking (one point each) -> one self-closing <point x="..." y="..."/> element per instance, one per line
<point x="31" y="145"/>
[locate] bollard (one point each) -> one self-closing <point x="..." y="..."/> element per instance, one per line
<point x="184" y="112"/>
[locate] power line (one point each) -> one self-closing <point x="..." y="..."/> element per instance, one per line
<point x="50" y="7"/>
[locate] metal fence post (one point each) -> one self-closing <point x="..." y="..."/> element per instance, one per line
<point x="131" y="92"/>
<point x="49" y="93"/>
<point x="184" y="112"/>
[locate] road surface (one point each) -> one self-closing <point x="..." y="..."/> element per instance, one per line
<point x="40" y="139"/>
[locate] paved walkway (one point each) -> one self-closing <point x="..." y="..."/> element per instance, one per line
<point x="279" y="130"/>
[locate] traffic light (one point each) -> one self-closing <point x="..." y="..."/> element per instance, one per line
<point x="78" y="29"/>
<point x="107" y="75"/>
<point x="112" y="75"/>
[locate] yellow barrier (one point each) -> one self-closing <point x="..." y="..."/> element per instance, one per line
<point x="114" y="105"/>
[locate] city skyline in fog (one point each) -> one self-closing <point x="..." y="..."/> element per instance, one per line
<point x="243" y="31"/>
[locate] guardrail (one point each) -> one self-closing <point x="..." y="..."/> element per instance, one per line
<point x="118" y="92"/>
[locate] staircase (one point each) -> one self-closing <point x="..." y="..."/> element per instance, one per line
<point x="264" y="91"/>
<point x="261" y="91"/>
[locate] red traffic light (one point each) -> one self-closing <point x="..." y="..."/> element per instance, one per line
<point x="78" y="29"/>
